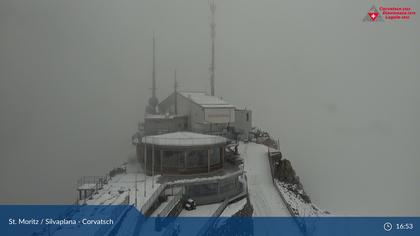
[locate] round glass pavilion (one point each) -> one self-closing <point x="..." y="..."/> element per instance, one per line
<point x="182" y="153"/>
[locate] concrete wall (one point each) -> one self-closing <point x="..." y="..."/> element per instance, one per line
<point x="212" y="193"/>
<point x="243" y="121"/>
<point x="197" y="116"/>
<point x="167" y="105"/>
<point x="219" y="115"/>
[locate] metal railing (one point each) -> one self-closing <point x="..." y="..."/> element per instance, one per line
<point x="90" y="180"/>
<point x="171" y="204"/>
<point x="151" y="200"/>
<point x="90" y="185"/>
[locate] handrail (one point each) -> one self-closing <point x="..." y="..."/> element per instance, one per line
<point x="171" y="204"/>
<point x="149" y="202"/>
<point x="205" y="179"/>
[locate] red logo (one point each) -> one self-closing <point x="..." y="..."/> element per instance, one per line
<point x="373" y="15"/>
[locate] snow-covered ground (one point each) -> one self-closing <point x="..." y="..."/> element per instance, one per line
<point x="296" y="203"/>
<point x="199" y="219"/>
<point x="203" y="210"/>
<point x="130" y="223"/>
<point x="264" y="197"/>
<point x="126" y="188"/>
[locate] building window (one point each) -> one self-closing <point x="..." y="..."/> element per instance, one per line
<point x="173" y="159"/>
<point x="247" y="117"/>
<point x="196" y="158"/>
<point x="214" y="155"/>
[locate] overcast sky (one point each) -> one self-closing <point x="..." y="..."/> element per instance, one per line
<point x="340" y="94"/>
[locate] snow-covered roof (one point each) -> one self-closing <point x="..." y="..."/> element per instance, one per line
<point x="157" y="116"/>
<point x="184" y="139"/>
<point x="206" y="101"/>
<point x="161" y="116"/>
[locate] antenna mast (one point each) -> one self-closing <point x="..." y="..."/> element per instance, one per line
<point x="213" y="35"/>
<point x="175" y="93"/>
<point x="154" y="69"/>
<point x="153" y="101"/>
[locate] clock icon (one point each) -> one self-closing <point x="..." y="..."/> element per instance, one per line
<point x="387" y="226"/>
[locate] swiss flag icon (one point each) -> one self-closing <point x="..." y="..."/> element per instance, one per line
<point x="373" y="15"/>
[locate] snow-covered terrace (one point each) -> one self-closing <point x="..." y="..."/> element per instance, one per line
<point x="123" y="187"/>
<point x="262" y="193"/>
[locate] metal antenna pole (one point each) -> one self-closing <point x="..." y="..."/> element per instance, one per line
<point x="154" y="69"/>
<point x="213" y="35"/>
<point x="153" y="101"/>
<point x="175" y="93"/>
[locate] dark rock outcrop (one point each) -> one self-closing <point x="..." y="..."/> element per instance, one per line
<point x="284" y="172"/>
<point x="262" y="137"/>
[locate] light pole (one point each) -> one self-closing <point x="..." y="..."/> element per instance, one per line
<point x="153" y="165"/>
<point x="136" y="191"/>
<point x="145" y="165"/>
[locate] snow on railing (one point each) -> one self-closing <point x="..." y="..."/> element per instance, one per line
<point x="90" y="185"/>
<point x="171" y="204"/>
<point x="87" y="180"/>
<point x="206" y="179"/>
<point x="151" y="200"/>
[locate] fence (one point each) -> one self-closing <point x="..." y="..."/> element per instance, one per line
<point x="91" y="180"/>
